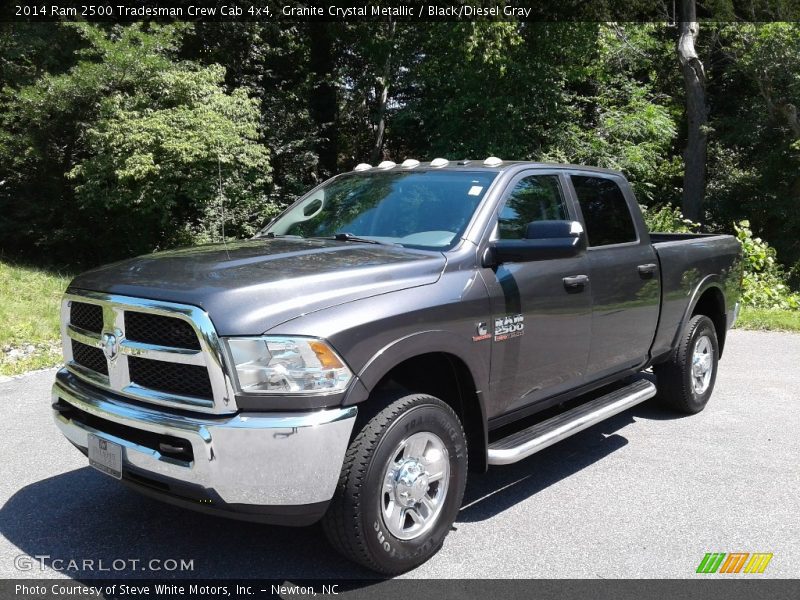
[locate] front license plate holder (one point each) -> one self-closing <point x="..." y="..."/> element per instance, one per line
<point x="105" y="456"/>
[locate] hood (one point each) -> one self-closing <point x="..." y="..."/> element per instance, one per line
<point x="249" y="287"/>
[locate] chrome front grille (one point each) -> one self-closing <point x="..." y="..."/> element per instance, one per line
<point x="162" y="331"/>
<point x="89" y="357"/>
<point x="86" y="316"/>
<point x="148" y="350"/>
<point x="171" y="378"/>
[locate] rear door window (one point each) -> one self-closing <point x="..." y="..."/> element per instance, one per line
<point x="605" y="211"/>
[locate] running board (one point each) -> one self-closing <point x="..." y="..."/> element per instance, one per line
<point x="523" y="443"/>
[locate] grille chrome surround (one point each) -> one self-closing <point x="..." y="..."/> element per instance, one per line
<point x="112" y="341"/>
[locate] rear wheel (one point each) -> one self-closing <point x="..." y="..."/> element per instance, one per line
<point x="401" y="485"/>
<point x="686" y="381"/>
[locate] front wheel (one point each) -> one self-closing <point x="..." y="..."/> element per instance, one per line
<point x="401" y="485"/>
<point x="686" y="381"/>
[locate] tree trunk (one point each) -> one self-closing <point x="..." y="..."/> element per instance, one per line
<point x="383" y="96"/>
<point x="694" y="77"/>
<point x="323" y="103"/>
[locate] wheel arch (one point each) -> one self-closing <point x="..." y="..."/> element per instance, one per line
<point x="434" y="363"/>
<point x="709" y="300"/>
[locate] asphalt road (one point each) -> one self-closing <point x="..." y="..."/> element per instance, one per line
<point x="645" y="494"/>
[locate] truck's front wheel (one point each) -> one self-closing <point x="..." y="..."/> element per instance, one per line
<point x="401" y="485"/>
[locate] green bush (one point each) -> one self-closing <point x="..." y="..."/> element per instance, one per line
<point x="668" y="219"/>
<point x="129" y="150"/>
<point x="764" y="284"/>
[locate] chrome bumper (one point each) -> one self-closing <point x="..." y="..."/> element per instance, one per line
<point x="256" y="459"/>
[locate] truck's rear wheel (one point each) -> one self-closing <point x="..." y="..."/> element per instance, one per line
<point x="686" y="381"/>
<point x="401" y="485"/>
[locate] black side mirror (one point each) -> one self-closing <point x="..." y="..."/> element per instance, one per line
<point x="543" y="240"/>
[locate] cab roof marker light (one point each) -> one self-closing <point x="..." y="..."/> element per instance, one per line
<point x="493" y="161"/>
<point x="410" y="163"/>
<point x="362" y="167"/>
<point x="438" y="163"/>
<point x="387" y="164"/>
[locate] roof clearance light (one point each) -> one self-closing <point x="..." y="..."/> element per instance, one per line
<point x="362" y="167"/>
<point x="410" y="163"/>
<point x="387" y="164"/>
<point x="438" y="163"/>
<point x="493" y="161"/>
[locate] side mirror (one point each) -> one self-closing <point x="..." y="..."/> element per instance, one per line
<point x="543" y="240"/>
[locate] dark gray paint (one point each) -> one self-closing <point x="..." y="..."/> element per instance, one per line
<point x="250" y="286"/>
<point x="379" y="305"/>
<point x="625" y="303"/>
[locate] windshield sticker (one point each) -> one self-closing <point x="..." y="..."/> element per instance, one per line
<point x="475" y="190"/>
<point x="508" y="326"/>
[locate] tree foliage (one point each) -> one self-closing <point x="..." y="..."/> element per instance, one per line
<point x="764" y="280"/>
<point x="117" y="139"/>
<point x="130" y="150"/>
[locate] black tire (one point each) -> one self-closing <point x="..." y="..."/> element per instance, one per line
<point x="676" y="381"/>
<point x="354" y="523"/>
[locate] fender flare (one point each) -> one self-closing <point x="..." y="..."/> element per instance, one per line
<point x="415" y="344"/>
<point x="707" y="283"/>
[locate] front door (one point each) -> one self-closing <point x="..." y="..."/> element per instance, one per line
<point x="540" y="326"/>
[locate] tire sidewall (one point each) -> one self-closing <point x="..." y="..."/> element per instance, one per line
<point x="703" y="327"/>
<point x="393" y="553"/>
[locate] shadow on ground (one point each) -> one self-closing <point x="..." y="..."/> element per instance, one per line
<point x="83" y="514"/>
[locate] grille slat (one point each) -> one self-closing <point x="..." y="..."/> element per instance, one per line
<point x="87" y="316"/>
<point x="91" y="358"/>
<point x="171" y="378"/>
<point x="163" y="331"/>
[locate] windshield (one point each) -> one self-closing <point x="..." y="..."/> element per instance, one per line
<point x="422" y="209"/>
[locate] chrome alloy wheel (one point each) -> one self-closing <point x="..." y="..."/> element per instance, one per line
<point x="415" y="485"/>
<point x="702" y="364"/>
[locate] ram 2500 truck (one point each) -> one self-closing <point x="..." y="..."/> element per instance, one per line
<point x="395" y="328"/>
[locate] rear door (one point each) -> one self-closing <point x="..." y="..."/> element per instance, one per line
<point x="625" y="290"/>
<point x="540" y="327"/>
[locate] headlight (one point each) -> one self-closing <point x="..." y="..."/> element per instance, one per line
<point x="281" y="365"/>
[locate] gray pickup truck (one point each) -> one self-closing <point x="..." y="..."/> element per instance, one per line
<point x="395" y="328"/>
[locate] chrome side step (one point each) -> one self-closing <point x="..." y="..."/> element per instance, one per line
<point x="523" y="443"/>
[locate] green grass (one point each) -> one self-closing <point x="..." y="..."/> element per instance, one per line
<point x="769" y="319"/>
<point x="29" y="316"/>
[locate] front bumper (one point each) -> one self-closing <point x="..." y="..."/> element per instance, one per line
<point x="258" y="466"/>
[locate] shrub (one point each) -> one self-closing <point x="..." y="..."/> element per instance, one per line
<point x="764" y="283"/>
<point x="668" y="219"/>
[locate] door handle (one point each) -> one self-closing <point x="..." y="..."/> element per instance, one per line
<point x="576" y="281"/>
<point x="647" y="270"/>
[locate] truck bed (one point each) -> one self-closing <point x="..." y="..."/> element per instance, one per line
<point x="690" y="262"/>
<point x="660" y="237"/>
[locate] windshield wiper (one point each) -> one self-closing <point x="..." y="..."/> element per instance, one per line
<point x="272" y="235"/>
<point x="349" y="237"/>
